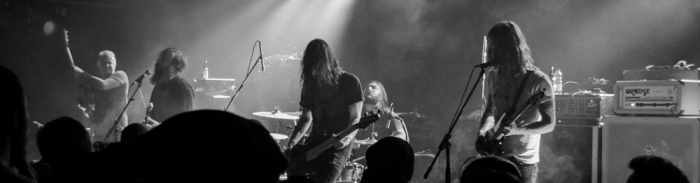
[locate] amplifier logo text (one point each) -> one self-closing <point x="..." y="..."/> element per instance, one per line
<point x="634" y="92"/>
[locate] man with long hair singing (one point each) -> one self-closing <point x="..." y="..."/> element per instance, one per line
<point x="331" y="99"/>
<point x="507" y="87"/>
<point x="171" y="94"/>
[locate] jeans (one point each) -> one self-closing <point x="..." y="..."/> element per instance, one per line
<point x="528" y="172"/>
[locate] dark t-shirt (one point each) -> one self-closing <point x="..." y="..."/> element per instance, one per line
<point x="171" y="98"/>
<point x="329" y="106"/>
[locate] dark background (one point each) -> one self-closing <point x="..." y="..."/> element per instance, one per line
<point x="421" y="50"/>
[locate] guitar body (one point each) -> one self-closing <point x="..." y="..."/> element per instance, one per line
<point x="512" y="145"/>
<point x="498" y="144"/>
<point x="299" y="166"/>
<point x="303" y="156"/>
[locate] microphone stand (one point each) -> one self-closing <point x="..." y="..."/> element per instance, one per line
<point x="244" y="80"/>
<point x="445" y="143"/>
<point x="123" y="110"/>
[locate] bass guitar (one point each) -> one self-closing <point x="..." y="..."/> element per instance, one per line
<point x="494" y="138"/>
<point x="301" y="154"/>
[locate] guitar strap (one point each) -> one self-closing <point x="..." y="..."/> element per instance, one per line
<point x="517" y="95"/>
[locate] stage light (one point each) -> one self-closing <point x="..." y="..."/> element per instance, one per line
<point x="38" y="24"/>
<point x="49" y="27"/>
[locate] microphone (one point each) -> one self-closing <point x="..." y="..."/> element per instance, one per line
<point x="262" y="59"/>
<point x="484" y="65"/>
<point x="140" y="79"/>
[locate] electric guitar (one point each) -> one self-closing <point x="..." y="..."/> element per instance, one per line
<point x="84" y="103"/>
<point x="302" y="153"/>
<point x="494" y="138"/>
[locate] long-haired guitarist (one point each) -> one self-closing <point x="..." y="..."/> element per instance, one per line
<point x="507" y="88"/>
<point x="332" y="100"/>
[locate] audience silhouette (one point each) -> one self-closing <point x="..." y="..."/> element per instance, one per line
<point x="13" y="131"/>
<point x="61" y="143"/>
<point x="389" y="160"/>
<point x="210" y="146"/>
<point x="490" y="169"/>
<point x="648" y="169"/>
<point x="116" y="163"/>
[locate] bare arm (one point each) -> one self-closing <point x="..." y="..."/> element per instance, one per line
<point x="301" y="127"/>
<point x="98" y="83"/>
<point x="487" y="119"/>
<point x="355" y="110"/>
<point x="399" y="129"/>
<point x="545" y="125"/>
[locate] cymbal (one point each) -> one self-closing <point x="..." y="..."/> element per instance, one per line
<point x="412" y="114"/>
<point x="366" y="141"/>
<point x="298" y="113"/>
<point x="418" y="154"/>
<point x="278" y="115"/>
<point x="277" y="136"/>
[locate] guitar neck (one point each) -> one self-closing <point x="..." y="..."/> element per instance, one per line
<point x="70" y="56"/>
<point x="316" y="150"/>
<point x="329" y="142"/>
<point x="82" y="96"/>
<point x="499" y="134"/>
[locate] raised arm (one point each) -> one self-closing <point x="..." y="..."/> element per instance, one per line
<point x="118" y="79"/>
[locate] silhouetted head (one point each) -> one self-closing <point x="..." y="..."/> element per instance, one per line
<point x="171" y="62"/>
<point x="490" y="169"/>
<point x="319" y="67"/>
<point x="210" y="146"/>
<point x="132" y="132"/>
<point x="13" y="112"/>
<point x="13" y="124"/>
<point x="389" y="160"/>
<point x="648" y="169"/>
<point x="508" y="49"/>
<point x="62" y="142"/>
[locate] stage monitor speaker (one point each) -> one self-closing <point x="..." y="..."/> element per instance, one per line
<point x="674" y="138"/>
<point x="569" y="154"/>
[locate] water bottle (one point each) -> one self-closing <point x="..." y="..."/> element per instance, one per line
<point x="557" y="82"/>
<point x="205" y="73"/>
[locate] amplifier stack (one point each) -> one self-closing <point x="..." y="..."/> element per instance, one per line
<point x="656" y="113"/>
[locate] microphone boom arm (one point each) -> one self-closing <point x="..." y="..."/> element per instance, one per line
<point x="246" y="77"/>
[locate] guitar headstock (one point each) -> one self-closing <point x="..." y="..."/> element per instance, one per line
<point x="64" y="36"/>
<point x="367" y="120"/>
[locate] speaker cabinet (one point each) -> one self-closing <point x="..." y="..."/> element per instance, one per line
<point x="569" y="154"/>
<point x="674" y="138"/>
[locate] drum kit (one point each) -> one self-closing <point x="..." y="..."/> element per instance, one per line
<point x="277" y="115"/>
